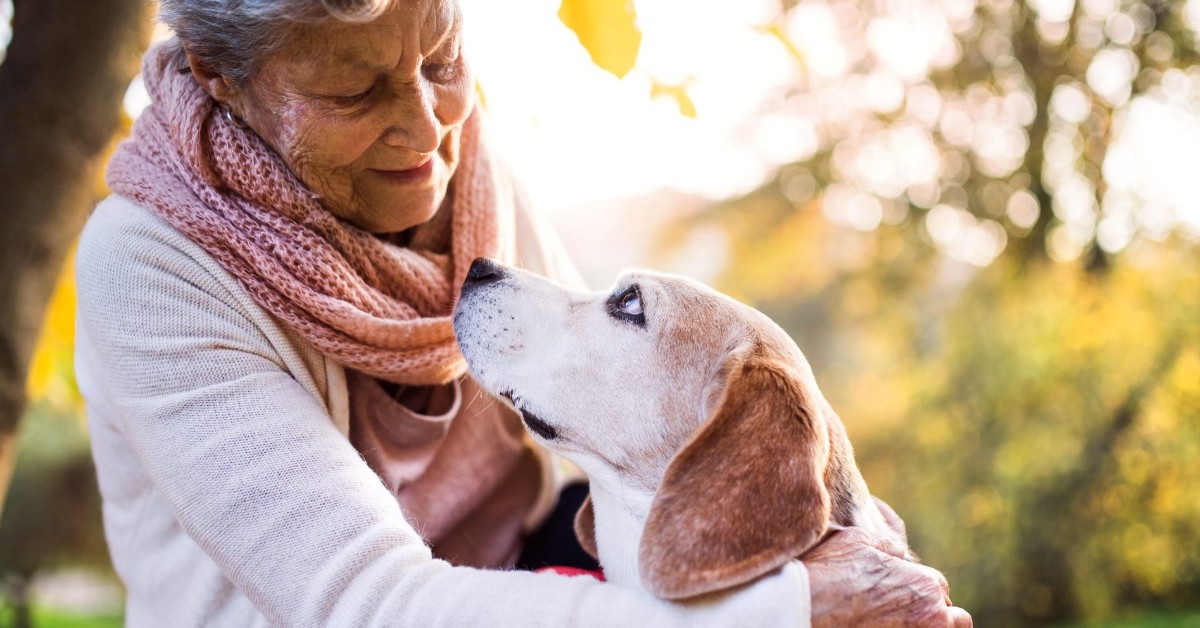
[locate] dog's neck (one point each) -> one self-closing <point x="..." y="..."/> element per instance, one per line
<point x="620" y="515"/>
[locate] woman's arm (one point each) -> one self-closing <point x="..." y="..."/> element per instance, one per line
<point x="255" y="472"/>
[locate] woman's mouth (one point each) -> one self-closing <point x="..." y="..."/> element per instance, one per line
<point x="419" y="174"/>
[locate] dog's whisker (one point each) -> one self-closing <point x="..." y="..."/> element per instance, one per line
<point x="479" y="394"/>
<point x="473" y="399"/>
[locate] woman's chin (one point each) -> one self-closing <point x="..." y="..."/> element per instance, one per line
<point x="393" y="223"/>
<point x="393" y="215"/>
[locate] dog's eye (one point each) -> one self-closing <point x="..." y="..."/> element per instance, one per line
<point x="628" y="306"/>
<point x="631" y="302"/>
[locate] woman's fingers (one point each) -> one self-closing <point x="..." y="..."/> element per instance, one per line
<point x="944" y="612"/>
<point x="936" y="576"/>
<point x="859" y="536"/>
<point x="856" y="580"/>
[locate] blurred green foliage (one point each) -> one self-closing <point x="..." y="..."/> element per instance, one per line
<point x="1012" y="339"/>
<point x="1047" y="457"/>
<point x="1037" y="424"/>
<point x="52" y="514"/>
<point x="54" y="501"/>
<point x="1148" y="619"/>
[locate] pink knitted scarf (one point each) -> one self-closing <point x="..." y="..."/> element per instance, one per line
<point x="371" y="305"/>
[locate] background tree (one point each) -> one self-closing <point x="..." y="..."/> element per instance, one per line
<point x="61" y="84"/>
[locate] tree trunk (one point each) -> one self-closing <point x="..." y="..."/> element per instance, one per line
<point x="1043" y="73"/>
<point x="61" y="87"/>
<point x="22" y="606"/>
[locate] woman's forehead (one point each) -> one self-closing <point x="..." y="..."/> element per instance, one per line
<point x="379" y="44"/>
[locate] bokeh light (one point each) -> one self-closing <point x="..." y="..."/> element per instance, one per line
<point x="580" y="138"/>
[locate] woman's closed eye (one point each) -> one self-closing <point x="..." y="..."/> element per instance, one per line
<point x="440" y="72"/>
<point x="444" y="64"/>
<point x="354" y="95"/>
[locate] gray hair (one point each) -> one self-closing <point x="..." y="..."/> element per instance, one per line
<point x="233" y="37"/>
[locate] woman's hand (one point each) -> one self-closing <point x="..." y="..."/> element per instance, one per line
<point x="859" y="580"/>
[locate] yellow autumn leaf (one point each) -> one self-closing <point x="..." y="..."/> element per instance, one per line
<point x="777" y="31"/>
<point x="51" y="372"/>
<point x="480" y="95"/>
<point x="607" y="29"/>
<point x="678" y="93"/>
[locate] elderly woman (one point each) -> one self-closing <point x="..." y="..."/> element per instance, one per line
<point x="280" y="417"/>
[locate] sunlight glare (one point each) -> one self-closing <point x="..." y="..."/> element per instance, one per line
<point x="1111" y="74"/>
<point x="999" y="147"/>
<point x="1075" y="205"/>
<point x="923" y="104"/>
<point x="1121" y="29"/>
<point x="812" y="27"/>
<point x="908" y="45"/>
<point x="136" y="98"/>
<point x="6" y="15"/>
<point x="1062" y="246"/>
<point x="1192" y="16"/>
<point x="1053" y="10"/>
<point x="1099" y="8"/>
<point x="1022" y="209"/>
<point x="576" y="135"/>
<point x="849" y="206"/>
<point x="1070" y="104"/>
<point x="957" y="125"/>
<point x="1154" y="159"/>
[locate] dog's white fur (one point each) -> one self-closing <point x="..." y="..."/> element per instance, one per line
<point x="624" y="398"/>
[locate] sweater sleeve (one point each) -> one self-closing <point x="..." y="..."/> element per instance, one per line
<point x="259" y="478"/>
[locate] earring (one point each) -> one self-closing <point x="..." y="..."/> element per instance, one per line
<point x="234" y="120"/>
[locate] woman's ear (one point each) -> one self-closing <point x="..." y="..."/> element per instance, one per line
<point x="220" y="87"/>
<point x="747" y="493"/>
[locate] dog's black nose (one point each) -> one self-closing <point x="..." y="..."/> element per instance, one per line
<point x="483" y="270"/>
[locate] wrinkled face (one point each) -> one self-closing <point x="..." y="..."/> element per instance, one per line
<point x="613" y="380"/>
<point x="368" y="115"/>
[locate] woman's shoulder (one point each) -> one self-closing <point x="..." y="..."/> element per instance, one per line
<point x="120" y="230"/>
<point x="150" y="298"/>
<point x="129" y="257"/>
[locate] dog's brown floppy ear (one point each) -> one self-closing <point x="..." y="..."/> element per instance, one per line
<point x="585" y="527"/>
<point x="747" y="492"/>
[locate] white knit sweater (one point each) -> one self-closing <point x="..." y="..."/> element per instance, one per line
<point x="232" y="496"/>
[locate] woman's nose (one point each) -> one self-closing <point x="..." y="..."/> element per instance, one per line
<point x="413" y="122"/>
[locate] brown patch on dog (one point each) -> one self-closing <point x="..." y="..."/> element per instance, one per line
<point x="747" y="493"/>
<point x="841" y="476"/>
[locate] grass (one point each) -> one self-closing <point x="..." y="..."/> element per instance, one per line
<point x="1147" y="619"/>
<point x="50" y="618"/>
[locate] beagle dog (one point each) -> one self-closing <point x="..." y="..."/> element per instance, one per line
<point x="713" y="457"/>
